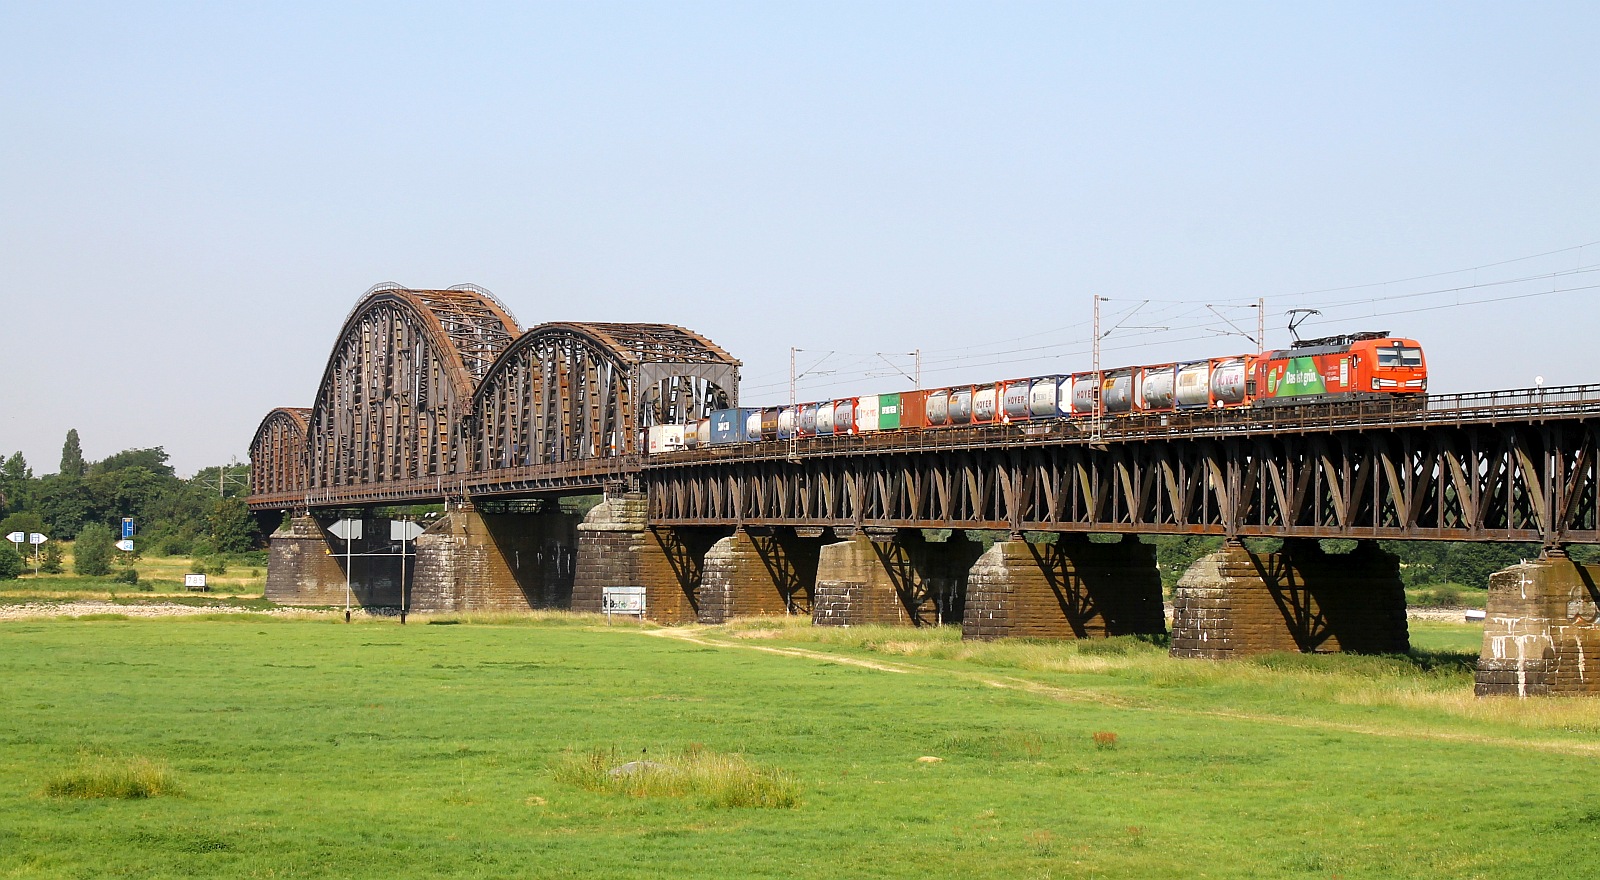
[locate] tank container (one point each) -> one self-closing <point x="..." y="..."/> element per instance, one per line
<point x="808" y="420"/>
<point x="786" y="420"/>
<point x="768" y="424"/>
<point x="1085" y="391"/>
<point x="936" y="408"/>
<point x="1043" y="397"/>
<point x="1014" y="400"/>
<point x="960" y="406"/>
<point x="1158" y="387"/>
<point x="985" y="404"/>
<point x="1228" y="381"/>
<point x="825" y="419"/>
<point x="1194" y="384"/>
<point x="844" y="416"/>
<point x="1117" y="391"/>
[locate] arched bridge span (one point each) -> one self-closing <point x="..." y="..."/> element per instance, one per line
<point x="430" y="394"/>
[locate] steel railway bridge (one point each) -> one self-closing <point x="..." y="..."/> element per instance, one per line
<point x="438" y="396"/>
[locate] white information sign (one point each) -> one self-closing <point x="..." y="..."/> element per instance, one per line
<point x="17" y="537"/>
<point x="37" y="538"/>
<point x="194" y="581"/>
<point x="125" y="545"/>
<point x="622" y="600"/>
<point x="348" y="529"/>
<point x="404" y="530"/>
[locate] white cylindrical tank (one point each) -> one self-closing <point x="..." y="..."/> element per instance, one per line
<point x="824" y="419"/>
<point x="1118" y="391"/>
<point x="1160" y="387"/>
<point x="938" y="408"/>
<point x="786" y="422"/>
<point x="961" y="406"/>
<point x="1042" y="397"/>
<point x="984" y="404"/>
<point x="1085" y="391"/>
<point x="1194" y="384"/>
<point x="1228" y="381"/>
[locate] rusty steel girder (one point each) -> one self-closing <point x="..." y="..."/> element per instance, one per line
<point x="1490" y="480"/>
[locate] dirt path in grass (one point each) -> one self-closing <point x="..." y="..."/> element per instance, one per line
<point x="699" y="636"/>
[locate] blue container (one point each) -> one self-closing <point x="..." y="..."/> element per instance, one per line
<point x="732" y="425"/>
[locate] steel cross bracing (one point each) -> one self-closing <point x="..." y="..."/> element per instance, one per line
<point x="1509" y="466"/>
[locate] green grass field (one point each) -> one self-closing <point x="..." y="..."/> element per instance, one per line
<point x="158" y="576"/>
<point x="305" y="749"/>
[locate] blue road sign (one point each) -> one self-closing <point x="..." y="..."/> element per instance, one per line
<point x="127" y="527"/>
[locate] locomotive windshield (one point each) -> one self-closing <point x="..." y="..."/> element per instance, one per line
<point x="1399" y="357"/>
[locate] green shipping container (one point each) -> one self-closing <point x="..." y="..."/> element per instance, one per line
<point x="888" y="412"/>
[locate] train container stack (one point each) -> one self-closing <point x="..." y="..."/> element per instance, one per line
<point x="1364" y="366"/>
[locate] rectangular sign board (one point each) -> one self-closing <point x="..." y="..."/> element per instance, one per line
<point x="404" y="530"/>
<point x="127" y="527"/>
<point x="194" y="581"/>
<point x="623" y="600"/>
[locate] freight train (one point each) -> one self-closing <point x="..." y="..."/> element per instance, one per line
<point x="1363" y="366"/>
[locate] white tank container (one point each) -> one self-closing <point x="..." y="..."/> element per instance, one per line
<point x="985" y="404"/>
<point x="1228" y="381"/>
<point x="825" y="418"/>
<point x="844" y="416"/>
<point x="938" y="408"/>
<point x="786" y="422"/>
<point x="702" y="430"/>
<point x="1084" y="393"/>
<point x="961" y="407"/>
<point x="1042" y="400"/>
<point x="1118" y="391"/>
<point x="1194" y="384"/>
<point x="1015" y="402"/>
<point x="1159" y="387"/>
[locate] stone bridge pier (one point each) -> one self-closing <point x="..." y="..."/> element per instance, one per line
<point x="472" y="560"/>
<point x="899" y="579"/>
<point x="617" y="549"/>
<point x="1236" y="602"/>
<point x="1541" y="632"/>
<point x="759" y="572"/>
<point x="1072" y="588"/>
<point x="306" y="565"/>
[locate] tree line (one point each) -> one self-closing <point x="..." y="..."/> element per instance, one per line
<point x="202" y="516"/>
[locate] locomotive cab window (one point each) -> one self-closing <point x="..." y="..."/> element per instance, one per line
<point x="1399" y="357"/>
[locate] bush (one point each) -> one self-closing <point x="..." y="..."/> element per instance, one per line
<point x="91" y="556"/>
<point x="198" y="566"/>
<point x="50" y="558"/>
<point x="10" y="562"/>
<point x="217" y="565"/>
<point x="128" y="576"/>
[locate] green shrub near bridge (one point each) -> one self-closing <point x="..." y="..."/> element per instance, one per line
<point x="296" y="748"/>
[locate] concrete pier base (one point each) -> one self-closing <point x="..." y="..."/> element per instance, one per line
<point x="1234" y="602"/>
<point x="616" y="549"/>
<point x="473" y="561"/>
<point x="756" y="574"/>
<point x="1541" y="632"/>
<point x="1071" y="589"/>
<point x="903" y="581"/>
<point x="306" y="566"/>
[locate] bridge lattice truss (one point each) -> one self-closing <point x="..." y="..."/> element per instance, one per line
<point x="1517" y="469"/>
<point x="437" y="393"/>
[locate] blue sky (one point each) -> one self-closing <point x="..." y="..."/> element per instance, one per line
<point x="192" y="196"/>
